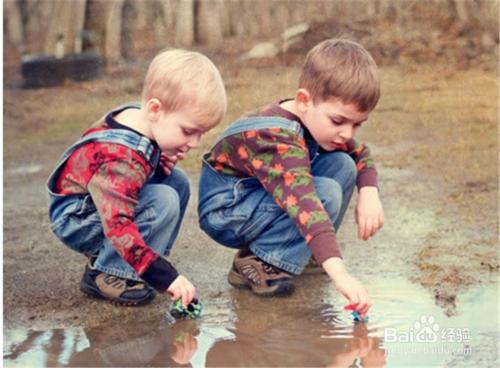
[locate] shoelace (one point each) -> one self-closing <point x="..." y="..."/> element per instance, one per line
<point x="133" y="282"/>
<point x="270" y="269"/>
<point x="118" y="282"/>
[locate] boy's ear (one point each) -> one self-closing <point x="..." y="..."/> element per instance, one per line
<point x="153" y="108"/>
<point x="302" y="99"/>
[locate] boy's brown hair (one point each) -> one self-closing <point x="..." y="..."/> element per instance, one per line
<point x="343" y="69"/>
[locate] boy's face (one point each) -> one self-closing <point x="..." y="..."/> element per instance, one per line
<point x="331" y="122"/>
<point x="176" y="132"/>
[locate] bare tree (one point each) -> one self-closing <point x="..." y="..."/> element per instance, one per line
<point x="13" y="23"/>
<point x="112" y="40"/>
<point x="65" y="24"/>
<point x="208" y="22"/>
<point x="125" y="28"/>
<point x="184" y="25"/>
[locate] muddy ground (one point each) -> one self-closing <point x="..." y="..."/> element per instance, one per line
<point x="434" y="136"/>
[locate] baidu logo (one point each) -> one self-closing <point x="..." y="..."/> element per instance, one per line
<point x="427" y="330"/>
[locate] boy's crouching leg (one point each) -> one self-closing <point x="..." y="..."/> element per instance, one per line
<point x="158" y="217"/>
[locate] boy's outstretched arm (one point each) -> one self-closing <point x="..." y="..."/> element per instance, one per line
<point x="351" y="288"/>
<point x="369" y="212"/>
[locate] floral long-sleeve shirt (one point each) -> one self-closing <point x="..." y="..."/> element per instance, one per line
<point x="280" y="160"/>
<point x="113" y="174"/>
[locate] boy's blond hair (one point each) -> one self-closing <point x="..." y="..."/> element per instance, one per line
<point x="343" y="69"/>
<point x="186" y="79"/>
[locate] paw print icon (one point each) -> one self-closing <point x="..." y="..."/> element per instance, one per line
<point x="426" y="329"/>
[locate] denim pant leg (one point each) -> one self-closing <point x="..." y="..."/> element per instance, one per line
<point x="180" y="182"/>
<point x="340" y="167"/>
<point x="281" y="244"/>
<point x="162" y="204"/>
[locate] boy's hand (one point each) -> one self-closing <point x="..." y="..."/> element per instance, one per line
<point x="369" y="212"/>
<point x="182" y="288"/>
<point x="168" y="162"/>
<point x="351" y="288"/>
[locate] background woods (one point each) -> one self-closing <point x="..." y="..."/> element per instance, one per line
<point x="123" y="29"/>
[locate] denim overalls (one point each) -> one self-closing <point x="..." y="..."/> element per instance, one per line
<point x="239" y="212"/>
<point x="158" y="215"/>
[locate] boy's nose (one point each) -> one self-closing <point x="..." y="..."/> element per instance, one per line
<point x="347" y="133"/>
<point x="194" y="141"/>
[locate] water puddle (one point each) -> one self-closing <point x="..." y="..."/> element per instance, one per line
<point x="311" y="328"/>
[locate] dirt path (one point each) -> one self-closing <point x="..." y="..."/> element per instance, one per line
<point x="434" y="135"/>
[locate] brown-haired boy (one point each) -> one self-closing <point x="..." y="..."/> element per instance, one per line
<point x="277" y="183"/>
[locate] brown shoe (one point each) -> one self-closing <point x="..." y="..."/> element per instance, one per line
<point x="313" y="268"/>
<point x="264" y="279"/>
<point x="115" y="289"/>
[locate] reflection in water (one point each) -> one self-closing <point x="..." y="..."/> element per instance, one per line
<point x="308" y="329"/>
<point x="285" y="347"/>
<point x="113" y="347"/>
<point x="177" y="346"/>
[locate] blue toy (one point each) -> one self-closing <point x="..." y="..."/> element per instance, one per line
<point x="357" y="317"/>
<point x="355" y="314"/>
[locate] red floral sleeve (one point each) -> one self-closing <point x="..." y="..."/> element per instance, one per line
<point x="114" y="188"/>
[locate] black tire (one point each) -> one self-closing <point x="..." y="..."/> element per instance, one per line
<point x="84" y="66"/>
<point x="42" y="71"/>
<point x="45" y="71"/>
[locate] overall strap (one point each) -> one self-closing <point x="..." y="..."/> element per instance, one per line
<point x="258" y="123"/>
<point x="128" y="138"/>
<point x="132" y="140"/>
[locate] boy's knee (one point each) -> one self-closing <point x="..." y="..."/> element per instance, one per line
<point x="162" y="203"/>
<point x="330" y="194"/>
<point x="348" y="167"/>
<point x="180" y="182"/>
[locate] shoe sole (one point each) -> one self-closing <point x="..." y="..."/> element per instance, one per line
<point x="93" y="293"/>
<point x="240" y="282"/>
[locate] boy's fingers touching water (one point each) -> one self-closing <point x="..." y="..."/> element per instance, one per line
<point x="355" y="293"/>
<point x="352" y="289"/>
<point x="182" y="288"/>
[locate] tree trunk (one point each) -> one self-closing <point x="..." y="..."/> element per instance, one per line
<point x="249" y="17"/>
<point x="225" y="19"/>
<point x="184" y="26"/>
<point x="460" y="9"/>
<point x="112" y="40"/>
<point x="13" y="22"/>
<point x="208" y="29"/>
<point x="236" y="12"/>
<point x="65" y="26"/>
<point x="280" y="17"/>
<point x="264" y="17"/>
<point x="165" y="27"/>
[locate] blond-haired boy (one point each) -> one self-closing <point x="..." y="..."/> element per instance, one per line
<point x="116" y="195"/>
<point x="281" y="179"/>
